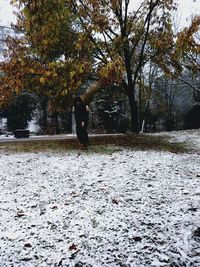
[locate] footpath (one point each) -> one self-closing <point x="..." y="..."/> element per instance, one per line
<point x="4" y="139"/>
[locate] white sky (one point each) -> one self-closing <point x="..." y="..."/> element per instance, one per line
<point x="6" y="13"/>
<point x="186" y="9"/>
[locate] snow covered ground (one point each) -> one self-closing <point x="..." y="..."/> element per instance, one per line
<point x="191" y="137"/>
<point x="131" y="208"/>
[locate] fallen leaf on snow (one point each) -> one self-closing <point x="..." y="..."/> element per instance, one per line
<point x="73" y="247"/>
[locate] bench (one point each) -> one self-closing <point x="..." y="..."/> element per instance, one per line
<point x="21" y="133"/>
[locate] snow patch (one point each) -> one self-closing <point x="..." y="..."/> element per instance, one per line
<point x="132" y="208"/>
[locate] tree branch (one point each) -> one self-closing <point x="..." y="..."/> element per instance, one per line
<point x="188" y="83"/>
<point x="148" y="20"/>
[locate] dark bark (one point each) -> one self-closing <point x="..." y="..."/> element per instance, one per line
<point x="130" y="89"/>
<point x="55" y="128"/>
<point x="134" y="113"/>
<point x="43" y="119"/>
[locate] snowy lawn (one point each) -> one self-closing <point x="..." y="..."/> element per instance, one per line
<point x="129" y="208"/>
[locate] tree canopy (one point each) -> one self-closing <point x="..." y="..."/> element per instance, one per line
<point x="64" y="41"/>
<point x="45" y="59"/>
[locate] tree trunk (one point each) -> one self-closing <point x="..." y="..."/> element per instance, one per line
<point x="129" y="87"/>
<point x="134" y="113"/>
<point x="141" y="119"/>
<point x="43" y="122"/>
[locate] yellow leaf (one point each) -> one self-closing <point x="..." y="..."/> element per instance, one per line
<point x="42" y="80"/>
<point x="48" y="73"/>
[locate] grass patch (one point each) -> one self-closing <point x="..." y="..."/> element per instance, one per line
<point x="144" y="142"/>
<point x="104" y="149"/>
<point x="100" y="144"/>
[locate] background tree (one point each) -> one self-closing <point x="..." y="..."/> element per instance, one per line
<point x="19" y="111"/>
<point x="64" y="40"/>
<point x="46" y="59"/>
<point x="183" y="55"/>
<point x="120" y="35"/>
<point x="108" y="110"/>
